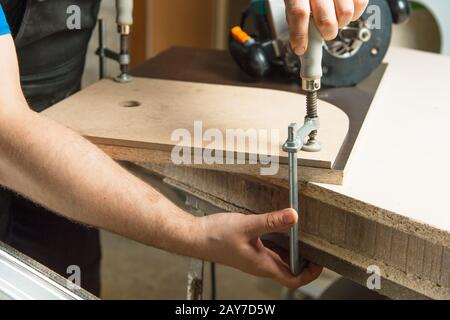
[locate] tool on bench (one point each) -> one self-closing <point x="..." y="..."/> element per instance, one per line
<point x="124" y="20"/>
<point x="348" y="59"/>
<point x="304" y="137"/>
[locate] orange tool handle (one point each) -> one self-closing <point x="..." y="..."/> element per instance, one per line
<point x="240" y="35"/>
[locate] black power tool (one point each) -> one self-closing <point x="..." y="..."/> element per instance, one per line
<point x="353" y="55"/>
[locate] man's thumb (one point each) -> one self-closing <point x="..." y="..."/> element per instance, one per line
<point x="277" y="221"/>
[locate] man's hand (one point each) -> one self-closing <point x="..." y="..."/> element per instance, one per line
<point x="234" y="239"/>
<point x="329" y="16"/>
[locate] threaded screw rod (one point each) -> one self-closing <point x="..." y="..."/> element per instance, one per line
<point x="311" y="112"/>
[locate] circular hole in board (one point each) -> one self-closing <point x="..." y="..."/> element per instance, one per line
<point x="130" y="104"/>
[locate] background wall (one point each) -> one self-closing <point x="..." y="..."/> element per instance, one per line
<point x="180" y="22"/>
<point x="420" y="32"/>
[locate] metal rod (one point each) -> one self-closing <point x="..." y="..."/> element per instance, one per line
<point x="293" y="201"/>
<point x="101" y="52"/>
<point x="124" y="43"/>
<point x="292" y="146"/>
<point x="213" y="281"/>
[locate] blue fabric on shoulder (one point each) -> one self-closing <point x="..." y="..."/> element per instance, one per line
<point x="4" y="27"/>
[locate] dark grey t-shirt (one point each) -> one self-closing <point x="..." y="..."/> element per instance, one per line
<point x="14" y="11"/>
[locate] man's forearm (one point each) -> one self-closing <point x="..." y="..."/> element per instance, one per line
<point x="57" y="168"/>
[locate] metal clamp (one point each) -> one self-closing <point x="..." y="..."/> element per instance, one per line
<point x="296" y="140"/>
<point x="122" y="57"/>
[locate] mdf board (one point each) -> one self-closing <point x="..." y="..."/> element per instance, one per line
<point x="169" y="113"/>
<point x="180" y="23"/>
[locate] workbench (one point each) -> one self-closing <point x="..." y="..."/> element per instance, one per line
<point x="392" y="210"/>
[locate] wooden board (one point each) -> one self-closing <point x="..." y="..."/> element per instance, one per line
<point x="100" y="113"/>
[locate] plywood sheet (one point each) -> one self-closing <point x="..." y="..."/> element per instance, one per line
<point x="100" y="113"/>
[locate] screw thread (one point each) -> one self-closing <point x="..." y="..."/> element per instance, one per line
<point x="311" y="111"/>
<point x="311" y="104"/>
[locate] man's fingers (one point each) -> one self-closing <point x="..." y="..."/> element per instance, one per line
<point x="282" y="273"/>
<point x="344" y="11"/>
<point x="298" y="13"/>
<point x="278" y="258"/>
<point x="324" y="15"/>
<point x="306" y="277"/>
<point x="329" y="16"/>
<point x="278" y="221"/>
<point x="278" y="270"/>
<point x="280" y="251"/>
<point x="311" y="273"/>
<point x="360" y="6"/>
